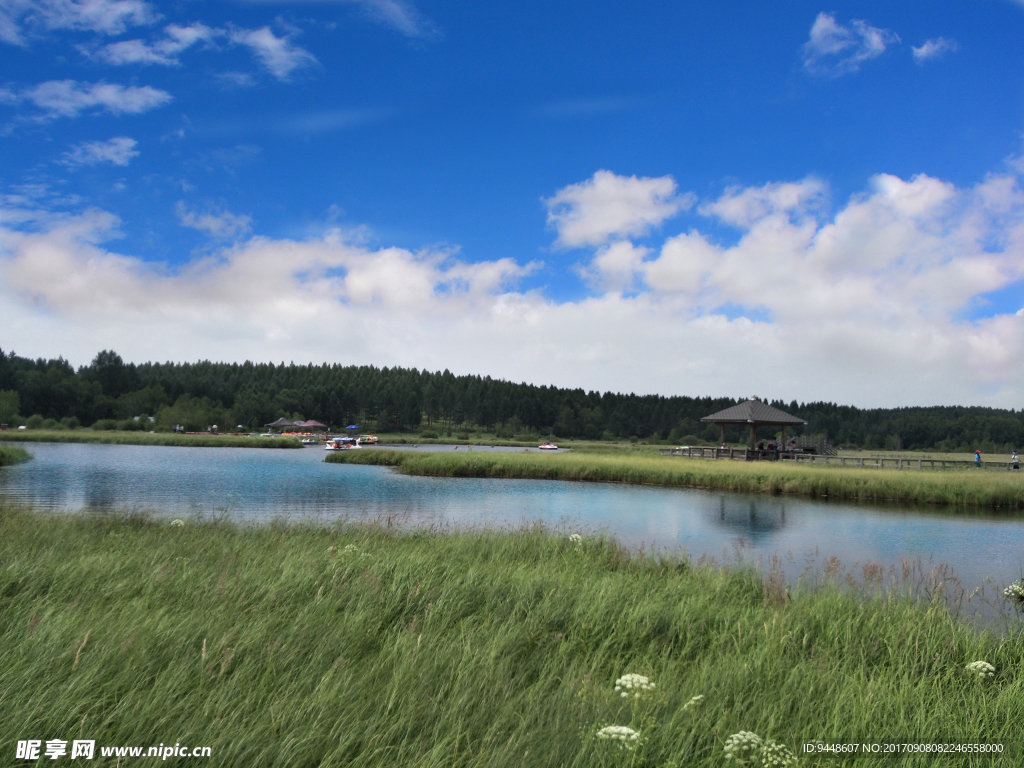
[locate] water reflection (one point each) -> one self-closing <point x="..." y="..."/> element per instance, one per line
<point x="753" y="520"/>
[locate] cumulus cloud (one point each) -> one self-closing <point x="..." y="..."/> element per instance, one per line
<point x="118" y="150"/>
<point x="20" y="18"/>
<point x="221" y="224"/>
<point x="607" y="206"/>
<point x="933" y="49"/>
<point x="68" y="98"/>
<point x="867" y="301"/>
<point x="834" y="49"/>
<point x="164" y="51"/>
<point x="278" y="54"/>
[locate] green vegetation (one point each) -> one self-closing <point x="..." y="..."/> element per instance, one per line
<point x="304" y="646"/>
<point x="146" y="438"/>
<point x="12" y="455"/>
<point x="52" y="394"/>
<point x="994" y="490"/>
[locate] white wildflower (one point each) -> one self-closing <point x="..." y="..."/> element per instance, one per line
<point x="1015" y="591"/>
<point x="623" y="735"/>
<point x="351" y="549"/>
<point x="576" y="539"/>
<point x="633" y="685"/>
<point x="742" y="746"/>
<point x="775" y="755"/>
<point x="982" y="669"/>
<point x="694" y="702"/>
<point x="177" y="522"/>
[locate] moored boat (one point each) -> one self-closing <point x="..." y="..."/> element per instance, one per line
<point x="340" y="444"/>
<point x="548" y="447"/>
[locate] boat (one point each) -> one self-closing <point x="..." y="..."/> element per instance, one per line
<point x="367" y="440"/>
<point x="341" y="444"/>
<point x="548" y="447"/>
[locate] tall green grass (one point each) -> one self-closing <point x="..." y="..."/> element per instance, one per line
<point x="976" y="488"/>
<point x="371" y="646"/>
<point x="147" y="438"/>
<point x="10" y="454"/>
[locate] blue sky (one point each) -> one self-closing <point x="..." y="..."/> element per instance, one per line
<point x="802" y="201"/>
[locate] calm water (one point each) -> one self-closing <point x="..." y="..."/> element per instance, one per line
<point x="259" y="485"/>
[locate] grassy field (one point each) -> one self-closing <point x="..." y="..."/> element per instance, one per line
<point x="990" y="490"/>
<point x="146" y="438"/>
<point x="10" y="454"/>
<point x="370" y="646"/>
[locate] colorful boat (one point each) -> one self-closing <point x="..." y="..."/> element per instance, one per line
<point x="340" y="444"/>
<point x="548" y="447"/>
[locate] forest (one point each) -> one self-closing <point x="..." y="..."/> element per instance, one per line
<point x="112" y="394"/>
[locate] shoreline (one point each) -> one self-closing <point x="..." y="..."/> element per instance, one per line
<point x="1002" y="492"/>
<point x="10" y="455"/>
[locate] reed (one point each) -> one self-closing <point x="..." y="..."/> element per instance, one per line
<point x="373" y="646"/>
<point x="10" y="454"/>
<point x="1002" y="491"/>
<point x="147" y="438"/>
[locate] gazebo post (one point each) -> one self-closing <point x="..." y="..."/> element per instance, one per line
<point x="783" y="438"/>
<point x="753" y="436"/>
<point x="723" y="434"/>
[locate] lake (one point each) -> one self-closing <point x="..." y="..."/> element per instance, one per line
<point x="258" y="485"/>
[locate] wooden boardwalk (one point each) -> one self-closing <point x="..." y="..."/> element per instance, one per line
<point x="874" y="462"/>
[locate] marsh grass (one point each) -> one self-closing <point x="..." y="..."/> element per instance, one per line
<point x="10" y="454"/>
<point x="372" y="646"/>
<point x="975" y="488"/>
<point x="147" y="438"/>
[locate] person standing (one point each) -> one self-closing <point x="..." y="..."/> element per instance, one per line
<point x="1015" y="460"/>
<point x="977" y="458"/>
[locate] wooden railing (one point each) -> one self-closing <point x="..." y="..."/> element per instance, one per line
<point x="875" y="462"/>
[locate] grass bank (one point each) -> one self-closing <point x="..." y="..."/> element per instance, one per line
<point x="146" y="438"/>
<point x="990" y="490"/>
<point x="10" y="454"/>
<point x="293" y="646"/>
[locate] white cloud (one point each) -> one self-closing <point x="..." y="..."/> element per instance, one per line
<point x="164" y="51"/>
<point x="118" y="150"/>
<point x="615" y="267"/>
<point x="112" y="17"/>
<point x="232" y="80"/>
<point x="607" y="206"/>
<point x="933" y="49"/>
<point x="400" y="15"/>
<point x="835" y="50"/>
<point x="277" y="54"/>
<point x="742" y="207"/>
<point x="67" y="98"/>
<point x="865" y="305"/>
<point x="221" y="225"/>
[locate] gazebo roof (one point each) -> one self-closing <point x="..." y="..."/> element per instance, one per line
<point x="753" y="411"/>
<point x="282" y="422"/>
<point x="312" y="423"/>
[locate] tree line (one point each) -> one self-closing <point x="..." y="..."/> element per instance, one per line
<point x="109" y="393"/>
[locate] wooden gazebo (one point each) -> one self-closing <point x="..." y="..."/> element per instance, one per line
<point x="754" y="413"/>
